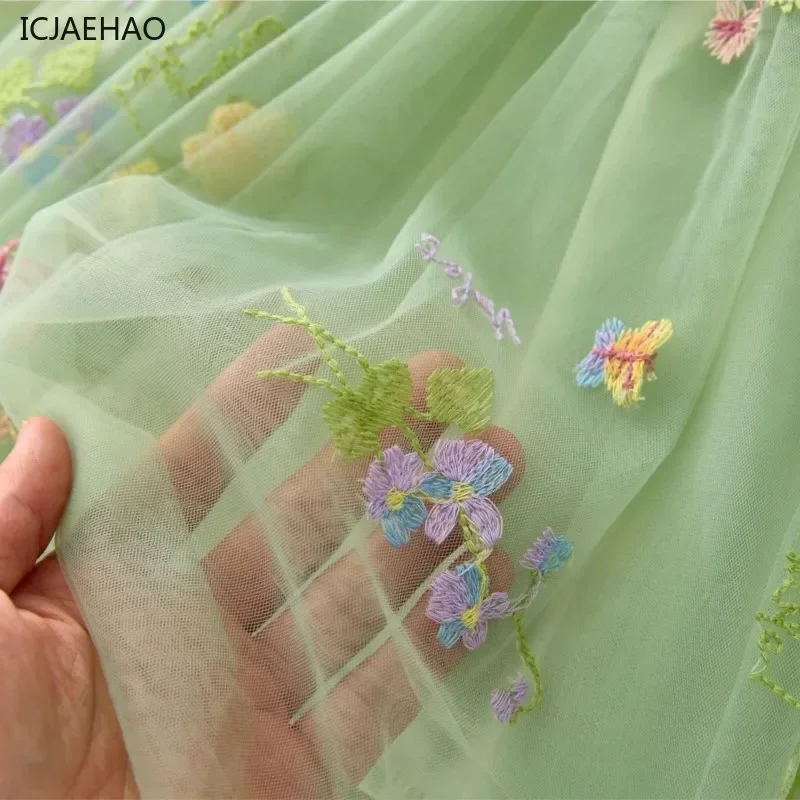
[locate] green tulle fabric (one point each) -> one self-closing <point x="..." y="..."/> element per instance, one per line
<point x="582" y="161"/>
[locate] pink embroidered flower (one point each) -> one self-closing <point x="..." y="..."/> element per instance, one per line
<point x="732" y="30"/>
<point x="7" y="252"/>
<point x="468" y="473"/>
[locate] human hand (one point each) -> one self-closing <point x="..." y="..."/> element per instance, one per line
<point x="59" y="736"/>
<point x="342" y="610"/>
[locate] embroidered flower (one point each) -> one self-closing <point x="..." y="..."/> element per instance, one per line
<point x="592" y="368"/>
<point x="20" y="133"/>
<point x="7" y="253"/>
<point x="732" y="29"/>
<point x="506" y="703"/>
<point x="222" y="120"/>
<point x="64" y="106"/>
<point x="623" y="359"/>
<point x="7" y="429"/>
<point x="147" y="166"/>
<point x="455" y="604"/>
<point x="468" y="472"/>
<point x="389" y="487"/>
<point x="547" y="554"/>
<point x="237" y="144"/>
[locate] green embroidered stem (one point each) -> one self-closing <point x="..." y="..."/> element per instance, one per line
<point x="313" y="380"/>
<point x="316" y="331"/>
<point x="471" y="541"/>
<point x="425" y="416"/>
<point x="250" y="41"/>
<point x="530" y="662"/>
<point x="302" y="314"/>
<point x="778" y="690"/>
<point x="169" y="64"/>
<point x="770" y="642"/>
<point x="415" y="443"/>
<point x="356" y="417"/>
<point x="779" y="622"/>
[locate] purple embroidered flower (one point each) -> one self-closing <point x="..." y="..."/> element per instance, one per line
<point x="455" y="604"/>
<point x="389" y="487"/>
<point x="64" y="106"/>
<point x="547" y="554"/>
<point x="468" y="473"/>
<point x="20" y="133"/>
<point x="506" y="704"/>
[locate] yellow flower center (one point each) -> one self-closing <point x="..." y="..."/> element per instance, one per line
<point x="395" y="499"/>
<point x="462" y="492"/>
<point x="470" y="618"/>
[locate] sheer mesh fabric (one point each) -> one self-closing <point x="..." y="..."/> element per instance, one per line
<point x="582" y="161"/>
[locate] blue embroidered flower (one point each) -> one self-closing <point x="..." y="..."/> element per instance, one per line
<point x="76" y="118"/>
<point x="467" y="473"/>
<point x="547" y="554"/>
<point x="389" y="487"/>
<point x="454" y="604"/>
<point x="591" y="371"/>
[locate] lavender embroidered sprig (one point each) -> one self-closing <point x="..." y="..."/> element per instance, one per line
<point x="429" y="247"/>
<point x="409" y="491"/>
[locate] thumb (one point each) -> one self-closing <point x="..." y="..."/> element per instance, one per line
<point x="34" y="487"/>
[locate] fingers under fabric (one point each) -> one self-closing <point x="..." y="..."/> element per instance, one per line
<point x="377" y="701"/>
<point x="344" y="609"/>
<point x="311" y="513"/>
<point x="249" y="407"/>
<point x="316" y="508"/>
<point x="35" y="481"/>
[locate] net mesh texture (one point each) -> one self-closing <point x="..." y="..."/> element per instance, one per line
<point x="259" y="635"/>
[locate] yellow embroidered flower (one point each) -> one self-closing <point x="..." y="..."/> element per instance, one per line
<point x="239" y="142"/>
<point x="222" y="120"/>
<point x="147" y="166"/>
<point x="7" y="429"/>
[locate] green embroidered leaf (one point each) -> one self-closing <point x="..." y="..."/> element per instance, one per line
<point x="462" y="397"/>
<point x="260" y="35"/>
<point x="15" y="80"/>
<point x="250" y="41"/>
<point x="71" y="66"/>
<point x="356" y="418"/>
